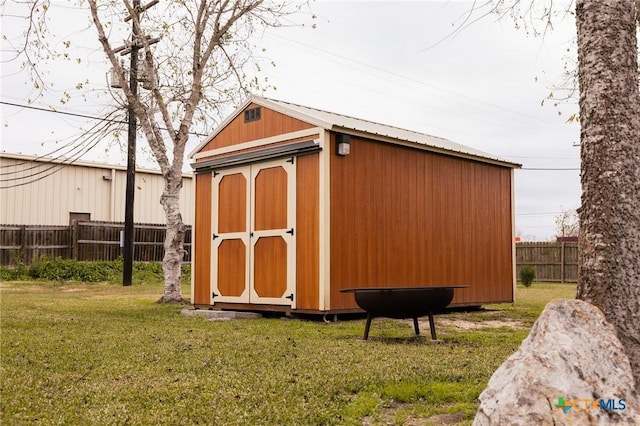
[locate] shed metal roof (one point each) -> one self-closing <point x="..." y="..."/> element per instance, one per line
<point x="356" y="126"/>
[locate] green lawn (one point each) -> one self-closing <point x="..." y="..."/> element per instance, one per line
<point x="105" y="354"/>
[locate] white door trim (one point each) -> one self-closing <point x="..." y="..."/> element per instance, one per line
<point x="250" y="236"/>
<point x="244" y="236"/>
<point x="290" y="168"/>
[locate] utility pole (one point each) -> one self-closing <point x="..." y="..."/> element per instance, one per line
<point x="133" y="48"/>
<point x="127" y="270"/>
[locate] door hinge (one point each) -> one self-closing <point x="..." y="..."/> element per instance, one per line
<point x="215" y="173"/>
<point x="290" y="231"/>
<point x="215" y="236"/>
<point x="290" y="297"/>
<point x="291" y="160"/>
<point x="214" y="295"/>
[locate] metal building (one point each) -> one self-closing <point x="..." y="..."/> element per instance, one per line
<point x="41" y="191"/>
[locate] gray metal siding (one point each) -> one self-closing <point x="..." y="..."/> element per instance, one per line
<point x="98" y="189"/>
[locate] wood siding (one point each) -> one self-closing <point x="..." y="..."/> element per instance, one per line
<point x="402" y="217"/>
<point x="307" y="205"/>
<point x="307" y="232"/>
<point x="202" y="239"/>
<point x="232" y="208"/>
<point x="270" y="267"/>
<point x="230" y="202"/>
<point x="270" y="199"/>
<point x="231" y="267"/>
<point x="272" y="123"/>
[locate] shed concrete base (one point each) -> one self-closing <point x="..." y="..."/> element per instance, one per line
<point x="219" y="315"/>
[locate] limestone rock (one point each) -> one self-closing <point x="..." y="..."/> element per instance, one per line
<point x="571" y="358"/>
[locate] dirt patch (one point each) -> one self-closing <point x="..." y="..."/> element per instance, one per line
<point x="445" y="419"/>
<point x="388" y="418"/>
<point x="470" y="325"/>
<point x="19" y="287"/>
<point x="71" y="289"/>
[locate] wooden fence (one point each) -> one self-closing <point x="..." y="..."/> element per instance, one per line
<point x="87" y="241"/>
<point x="554" y="261"/>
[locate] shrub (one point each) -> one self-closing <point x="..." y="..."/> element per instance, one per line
<point x="17" y="273"/>
<point x="71" y="270"/>
<point x="47" y="269"/>
<point x="527" y="275"/>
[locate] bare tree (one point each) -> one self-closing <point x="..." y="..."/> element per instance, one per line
<point x="201" y="65"/>
<point x="567" y="224"/>
<point x="203" y="33"/>
<point x="609" y="242"/>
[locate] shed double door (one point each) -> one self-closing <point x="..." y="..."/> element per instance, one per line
<point x="253" y="250"/>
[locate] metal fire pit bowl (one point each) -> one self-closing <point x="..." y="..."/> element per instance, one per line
<point x="403" y="302"/>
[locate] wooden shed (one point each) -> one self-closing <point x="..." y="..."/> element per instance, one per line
<point x="294" y="204"/>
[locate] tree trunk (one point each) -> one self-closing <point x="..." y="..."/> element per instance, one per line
<point x="174" y="240"/>
<point x="609" y="244"/>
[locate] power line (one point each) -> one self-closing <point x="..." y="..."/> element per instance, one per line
<point x="49" y="155"/>
<point x="538" y="214"/>
<point x="74" y="114"/>
<point x="405" y="77"/>
<point x="36" y="176"/>
<point x="532" y="157"/>
<point x="55" y="111"/>
<point x="555" y="169"/>
<point x="201" y="134"/>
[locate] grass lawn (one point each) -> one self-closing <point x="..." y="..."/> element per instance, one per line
<point x="105" y="354"/>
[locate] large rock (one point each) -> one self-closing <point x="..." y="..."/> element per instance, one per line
<point x="570" y="364"/>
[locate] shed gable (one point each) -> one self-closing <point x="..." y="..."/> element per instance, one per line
<point x="251" y="124"/>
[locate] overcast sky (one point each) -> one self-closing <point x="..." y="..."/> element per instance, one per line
<point x="391" y="62"/>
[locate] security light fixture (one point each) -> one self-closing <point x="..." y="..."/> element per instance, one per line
<point x="343" y="145"/>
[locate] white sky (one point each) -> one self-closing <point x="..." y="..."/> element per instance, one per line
<point x="482" y="87"/>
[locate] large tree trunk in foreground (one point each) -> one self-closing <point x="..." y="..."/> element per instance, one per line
<point x="610" y="157"/>
<point x="174" y="241"/>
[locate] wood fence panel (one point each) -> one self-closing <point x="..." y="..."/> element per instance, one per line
<point x="552" y="261"/>
<point x="11" y="238"/>
<point x="83" y="241"/>
<point x="23" y="244"/>
<point x="571" y="262"/>
<point x="49" y="242"/>
<point x="99" y="241"/>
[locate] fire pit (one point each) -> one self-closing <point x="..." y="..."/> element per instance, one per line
<point x="403" y="302"/>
